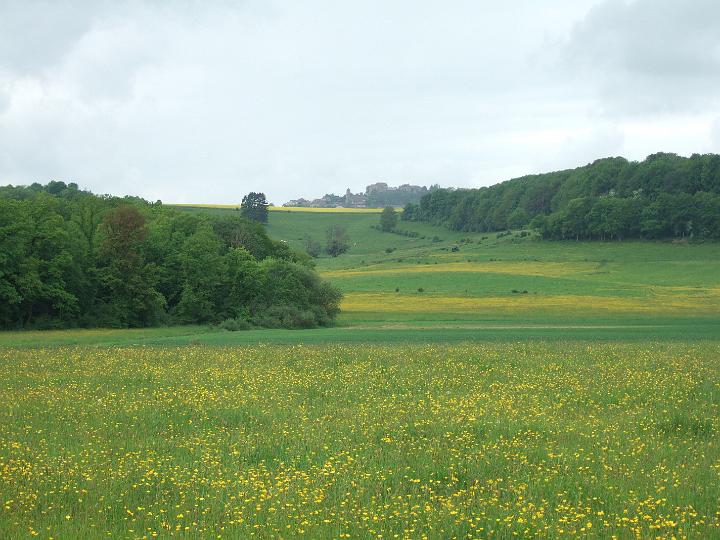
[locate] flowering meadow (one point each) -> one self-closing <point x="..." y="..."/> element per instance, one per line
<point x="561" y="439"/>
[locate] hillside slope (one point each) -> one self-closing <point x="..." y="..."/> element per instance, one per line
<point x="443" y="278"/>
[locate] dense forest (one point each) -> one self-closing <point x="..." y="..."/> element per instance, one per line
<point x="665" y="196"/>
<point x="71" y="258"/>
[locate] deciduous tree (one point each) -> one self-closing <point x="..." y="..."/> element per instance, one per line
<point x="388" y="219"/>
<point x="255" y="206"/>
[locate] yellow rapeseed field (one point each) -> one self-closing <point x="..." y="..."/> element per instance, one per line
<point x="521" y="268"/>
<point x="327" y="210"/>
<point x="661" y="304"/>
<point x="290" y="208"/>
<point x="469" y="441"/>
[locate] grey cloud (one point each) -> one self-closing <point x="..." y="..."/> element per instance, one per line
<point x="649" y="56"/>
<point x="35" y="34"/>
<point x="106" y="61"/>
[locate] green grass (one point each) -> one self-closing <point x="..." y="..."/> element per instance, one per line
<point x="588" y="406"/>
<point x="673" y="287"/>
<point x="392" y="329"/>
<point x="612" y="290"/>
<point x="448" y="441"/>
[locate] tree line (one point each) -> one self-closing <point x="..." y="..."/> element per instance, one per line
<point x="664" y="196"/>
<point x="71" y="258"/>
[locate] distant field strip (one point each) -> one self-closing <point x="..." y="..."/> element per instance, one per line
<point x="425" y="303"/>
<point x="192" y="205"/>
<point x="520" y="268"/>
<point x="326" y="210"/>
<point x="476" y="326"/>
<point x="290" y="208"/>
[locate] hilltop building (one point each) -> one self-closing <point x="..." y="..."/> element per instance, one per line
<point x="355" y="200"/>
<point x="376" y="195"/>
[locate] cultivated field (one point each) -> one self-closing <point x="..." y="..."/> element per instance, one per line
<point x="447" y="403"/>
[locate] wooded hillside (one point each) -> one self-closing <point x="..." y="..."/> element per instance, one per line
<point x="664" y="196"/>
<point x="71" y="258"/>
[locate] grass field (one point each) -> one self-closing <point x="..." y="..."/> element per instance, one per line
<point x="475" y="386"/>
<point x="464" y="441"/>
<point x="442" y="278"/>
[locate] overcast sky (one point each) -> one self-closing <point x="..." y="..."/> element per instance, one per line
<point x="203" y="101"/>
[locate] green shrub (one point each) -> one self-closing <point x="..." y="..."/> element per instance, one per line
<point x="286" y="317"/>
<point x="233" y="325"/>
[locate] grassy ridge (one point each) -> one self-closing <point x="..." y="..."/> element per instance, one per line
<point x="446" y="276"/>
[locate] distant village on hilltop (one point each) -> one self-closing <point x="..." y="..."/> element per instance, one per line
<point x="376" y="195"/>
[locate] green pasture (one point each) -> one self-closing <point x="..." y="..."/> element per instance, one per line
<point x="451" y="286"/>
<point x="394" y="328"/>
<point x="442" y="277"/>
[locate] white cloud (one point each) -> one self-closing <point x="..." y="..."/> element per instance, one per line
<point x="715" y="135"/>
